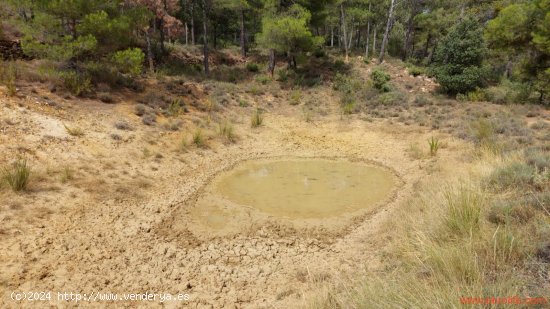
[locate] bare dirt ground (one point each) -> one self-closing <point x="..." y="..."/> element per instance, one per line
<point x="104" y="210"/>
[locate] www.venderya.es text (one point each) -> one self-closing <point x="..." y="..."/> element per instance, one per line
<point x="95" y="296"/>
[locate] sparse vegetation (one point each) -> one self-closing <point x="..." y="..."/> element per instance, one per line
<point x="198" y="139"/>
<point x="257" y="118"/>
<point x="227" y="132"/>
<point x="8" y="76"/>
<point x="74" y="131"/>
<point x="434" y="145"/>
<point x="17" y="175"/>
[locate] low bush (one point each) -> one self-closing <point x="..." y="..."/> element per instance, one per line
<point x="319" y="53"/>
<point x="252" y="67"/>
<point x="256" y="119"/>
<point x="75" y="82"/>
<point x="198" y="139"/>
<point x="263" y="79"/>
<point x="149" y="119"/>
<point x="380" y="80"/>
<point x="513" y="176"/>
<point x="17" y="175"/>
<point x="434" y="145"/>
<point x="463" y="211"/>
<point x="416" y="70"/>
<point x="295" y="97"/>
<point x="227" y="132"/>
<point x="8" y="76"/>
<point x="392" y="98"/>
<point x="129" y="61"/>
<point x="422" y="100"/>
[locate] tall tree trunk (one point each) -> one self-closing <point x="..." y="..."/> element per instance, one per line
<point x="161" y="31"/>
<point x="243" y="38"/>
<point x="345" y="38"/>
<point x="387" y="33"/>
<point x="186" y="34"/>
<point x="205" y="37"/>
<point x="368" y="37"/>
<point x="350" y="34"/>
<point x="215" y="35"/>
<point x="374" y="42"/>
<point x="271" y="65"/>
<point x="427" y="46"/>
<point x="331" y="36"/>
<point x="358" y="42"/>
<point x="193" y="23"/>
<point x="149" y="50"/>
<point x="410" y="30"/>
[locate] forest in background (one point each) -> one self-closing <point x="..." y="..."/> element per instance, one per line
<point x="491" y="50"/>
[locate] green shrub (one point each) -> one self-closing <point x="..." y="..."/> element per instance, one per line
<point x="129" y="61"/>
<point x="416" y="71"/>
<point x="256" y="119"/>
<point x="515" y="175"/>
<point x="349" y="107"/>
<point x="175" y="108"/>
<point x="434" y="145"/>
<point x="422" y="100"/>
<point x="537" y="159"/>
<point x="391" y="98"/>
<point x="295" y="97"/>
<point x="282" y="75"/>
<point x="483" y="132"/>
<point x="319" y="53"/>
<point x="75" y="82"/>
<point x="252" y="67"/>
<point x="458" y="58"/>
<point x="198" y="139"/>
<point x="263" y="79"/>
<point x="339" y="65"/>
<point x="477" y="95"/>
<point x="17" y="176"/>
<point x="8" y="76"/>
<point x="227" y="131"/>
<point x="464" y="211"/>
<point x="380" y="80"/>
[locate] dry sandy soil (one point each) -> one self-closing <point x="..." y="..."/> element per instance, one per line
<point x="105" y="211"/>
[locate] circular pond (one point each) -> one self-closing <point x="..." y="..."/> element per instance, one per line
<point x="305" y="188"/>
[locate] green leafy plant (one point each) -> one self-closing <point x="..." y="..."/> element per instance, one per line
<point x="459" y="57"/>
<point x="434" y="145"/>
<point x="17" y="176"/>
<point x="129" y="61"/>
<point x="198" y="139"/>
<point x="175" y="108"/>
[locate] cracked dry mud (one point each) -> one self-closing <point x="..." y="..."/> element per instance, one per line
<point x="119" y="227"/>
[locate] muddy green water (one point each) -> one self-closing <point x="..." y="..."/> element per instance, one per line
<point x="302" y="189"/>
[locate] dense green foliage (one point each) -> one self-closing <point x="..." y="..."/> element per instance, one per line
<point x="466" y="44"/>
<point x="459" y="57"/>
<point x="380" y="80"/>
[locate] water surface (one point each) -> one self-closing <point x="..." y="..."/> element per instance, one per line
<point x="312" y="188"/>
